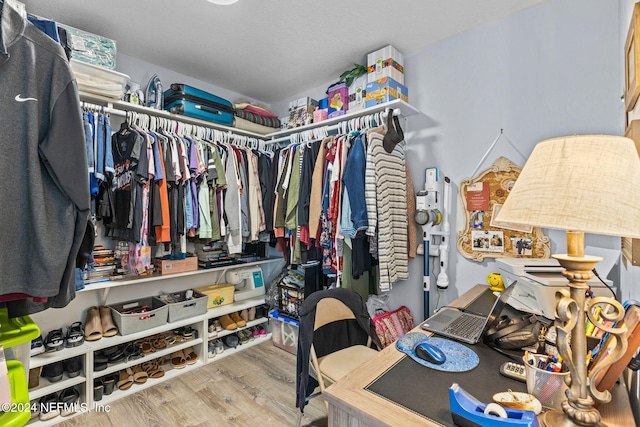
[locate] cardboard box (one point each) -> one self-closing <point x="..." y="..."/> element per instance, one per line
<point x="220" y="294"/>
<point x="357" y="94"/>
<point x="338" y="100"/>
<point x="385" y="90"/>
<point x="385" y="62"/>
<point x="172" y="266"/>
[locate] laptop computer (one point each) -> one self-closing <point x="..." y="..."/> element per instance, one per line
<point x="466" y="324"/>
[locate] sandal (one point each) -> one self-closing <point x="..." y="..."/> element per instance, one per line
<point x="132" y="352"/>
<point x="152" y="369"/>
<point x="92" y="324"/>
<point x="125" y="379"/>
<point x="75" y="335"/>
<point x="145" y="345"/>
<point x="140" y="376"/>
<point x="54" y="341"/>
<point x="190" y="356"/>
<point x="108" y="328"/>
<point x="158" y="342"/>
<point x="178" y="360"/>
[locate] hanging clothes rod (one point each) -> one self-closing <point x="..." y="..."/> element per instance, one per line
<point x="345" y="125"/>
<point x="103" y="109"/>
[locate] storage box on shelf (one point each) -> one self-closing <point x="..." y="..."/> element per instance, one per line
<point x="385" y="62"/>
<point x="185" y="308"/>
<point x="172" y="266"/>
<point x="139" y="315"/>
<point x="385" y="90"/>
<point x="217" y="295"/>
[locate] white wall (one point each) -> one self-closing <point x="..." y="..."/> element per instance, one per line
<point x="541" y="73"/>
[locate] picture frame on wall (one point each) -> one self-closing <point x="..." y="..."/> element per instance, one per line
<point x="632" y="61"/>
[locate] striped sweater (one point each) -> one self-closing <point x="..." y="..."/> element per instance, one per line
<point x="386" y="198"/>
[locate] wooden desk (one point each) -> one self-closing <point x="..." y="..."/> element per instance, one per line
<point x="351" y="405"/>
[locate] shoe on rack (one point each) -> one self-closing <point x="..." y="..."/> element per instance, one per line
<point x="109" y="383"/>
<point x="92" y="324"/>
<point x="239" y="321"/>
<point x="108" y="328"/>
<point x="211" y="330"/>
<point x="218" y="346"/>
<point x="35" y="408"/>
<point x="217" y="324"/>
<point x="73" y="366"/>
<point x="125" y="379"/>
<point x="244" y="314"/>
<point x="37" y="346"/>
<point x="190" y="356"/>
<point x="211" y="350"/>
<point x="49" y="407"/>
<point x="98" y="389"/>
<point x="243" y="336"/>
<point x="34" y="377"/>
<point x="54" y="341"/>
<point x="228" y="323"/>
<point x="53" y="371"/>
<point x="262" y="330"/>
<point x="69" y="397"/>
<point x="231" y="341"/>
<point x="75" y="335"/>
<point x="252" y="313"/>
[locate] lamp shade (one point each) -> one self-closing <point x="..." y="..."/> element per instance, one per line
<point x="587" y="183"/>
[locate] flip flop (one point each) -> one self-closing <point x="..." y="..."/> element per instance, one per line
<point x="178" y="360"/>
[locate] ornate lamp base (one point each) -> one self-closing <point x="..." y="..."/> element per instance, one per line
<point x="557" y="418"/>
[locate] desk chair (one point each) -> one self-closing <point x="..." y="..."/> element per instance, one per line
<point x="335" y="336"/>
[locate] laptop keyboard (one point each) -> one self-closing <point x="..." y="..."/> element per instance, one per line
<point x="465" y="326"/>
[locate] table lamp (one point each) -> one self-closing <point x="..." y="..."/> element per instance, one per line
<point x="581" y="184"/>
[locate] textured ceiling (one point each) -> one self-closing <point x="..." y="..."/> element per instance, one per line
<point x="270" y="50"/>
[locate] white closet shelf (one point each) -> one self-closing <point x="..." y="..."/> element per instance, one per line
<point x="406" y="110"/>
<point x="106" y="286"/>
<point x="127" y="106"/>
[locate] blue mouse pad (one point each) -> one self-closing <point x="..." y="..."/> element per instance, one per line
<point x="459" y="357"/>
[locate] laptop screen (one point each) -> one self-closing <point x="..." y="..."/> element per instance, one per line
<point x="500" y="304"/>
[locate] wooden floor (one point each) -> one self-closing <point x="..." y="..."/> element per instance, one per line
<point x="253" y="387"/>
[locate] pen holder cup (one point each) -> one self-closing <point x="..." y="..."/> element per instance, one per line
<point x="548" y="387"/>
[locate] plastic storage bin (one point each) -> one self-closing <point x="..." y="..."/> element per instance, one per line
<point x="284" y="332"/>
<point x="130" y="323"/>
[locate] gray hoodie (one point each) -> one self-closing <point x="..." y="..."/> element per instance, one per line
<point x="44" y="196"/>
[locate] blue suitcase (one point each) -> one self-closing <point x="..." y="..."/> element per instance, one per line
<point x="192" y="102"/>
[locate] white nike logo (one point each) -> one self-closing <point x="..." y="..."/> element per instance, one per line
<point x="20" y="99"/>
